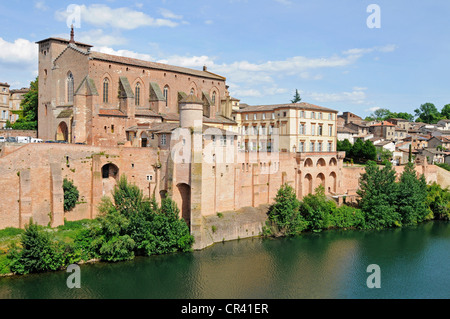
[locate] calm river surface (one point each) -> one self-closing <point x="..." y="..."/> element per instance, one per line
<point x="414" y="263"/>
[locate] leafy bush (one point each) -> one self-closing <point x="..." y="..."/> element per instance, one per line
<point x="347" y="217"/>
<point x="71" y="195"/>
<point x="284" y="217"/>
<point x="438" y="202"/>
<point x="316" y="210"/>
<point x="38" y="253"/>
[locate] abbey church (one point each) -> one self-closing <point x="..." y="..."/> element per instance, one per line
<point x="94" y="98"/>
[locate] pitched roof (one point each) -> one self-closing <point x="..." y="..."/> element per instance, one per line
<point x="111" y="112"/>
<point x="64" y="41"/>
<point x="152" y="65"/>
<point x="142" y="112"/>
<point x="301" y="106"/>
<point x="383" y="123"/>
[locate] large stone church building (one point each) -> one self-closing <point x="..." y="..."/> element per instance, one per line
<point x="95" y="98"/>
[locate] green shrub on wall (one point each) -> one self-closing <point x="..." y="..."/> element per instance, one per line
<point x="71" y="195"/>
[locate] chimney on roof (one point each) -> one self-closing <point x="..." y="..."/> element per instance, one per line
<point x="72" y="35"/>
<point x="205" y="68"/>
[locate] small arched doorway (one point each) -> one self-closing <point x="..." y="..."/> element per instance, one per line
<point x="62" y="133"/>
<point x="110" y="174"/>
<point x="307" y="185"/>
<point x="332" y="183"/>
<point x="185" y="194"/>
<point x="320" y="180"/>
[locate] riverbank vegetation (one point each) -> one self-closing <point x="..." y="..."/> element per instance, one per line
<point x="384" y="202"/>
<point x="129" y="225"/>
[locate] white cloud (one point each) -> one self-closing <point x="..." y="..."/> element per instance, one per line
<point x="284" y="2"/>
<point x="209" y="22"/>
<point x="372" y="109"/>
<point x="125" y="53"/>
<point x="96" y="37"/>
<point x="40" y="5"/>
<point x="354" y="97"/>
<point x="18" y="52"/>
<point x="188" y="62"/>
<point x="169" y="14"/>
<point x="359" y="52"/>
<point x="100" y="15"/>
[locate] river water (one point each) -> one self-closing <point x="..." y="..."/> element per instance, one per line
<point x="414" y="262"/>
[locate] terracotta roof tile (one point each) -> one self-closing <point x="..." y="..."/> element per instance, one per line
<point x="152" y="65"/>
<point x="111" y="112"/>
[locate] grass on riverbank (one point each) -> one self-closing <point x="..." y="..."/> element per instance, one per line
<point x="12" y="236"/>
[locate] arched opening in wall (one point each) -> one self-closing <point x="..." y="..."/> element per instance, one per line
<point x="320" y="180"/>
<point x="185" y="194"/>
<point x="308" y="162"/>
<point x="333" y="162"/>
<point x="110" y="174"/>
<point x="62" y="133"/>
<point x="308" y="185"/>
<point x="144" y="139"/>
<point x="332" y="183"/>
<point x="321" y="162"/>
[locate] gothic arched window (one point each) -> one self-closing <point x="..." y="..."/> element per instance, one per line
<point x="166" y="94"/>
<point x="137" y="94"/>
<point x="105" y="90"/>
<point x="70" y="87"/>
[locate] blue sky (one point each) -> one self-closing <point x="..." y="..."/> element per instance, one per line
<point x="265" y="48"/>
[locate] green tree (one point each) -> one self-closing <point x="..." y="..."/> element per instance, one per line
<point x="29" y="106"/>
<point x="445" y="112"/>
<point x="385" y="155"/>
<point x="378" y="193"/>
<point x="39" y="252"/>
<point x="427" y="113"/>
<point x="71" y="195"/>
<point x="438" y="201"/>
<point x="381" y="114"/>
<point x="297" y="97"/>
<point x="284" y="217"/>
<point x="368" y="151"/>
<point x="316" y="210"/>
<point x="344" y="146"/>
<point x="411" y="196"/>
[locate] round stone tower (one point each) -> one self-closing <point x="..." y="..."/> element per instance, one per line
<point x="191" y="112"/>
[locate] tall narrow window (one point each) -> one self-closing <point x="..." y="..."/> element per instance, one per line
<point x="70" y="87"/>
<point x="105" y="90"/>
<point x="214" y="98"/>
<point x="137" y="94"/>
<point x="166" y="95"/>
